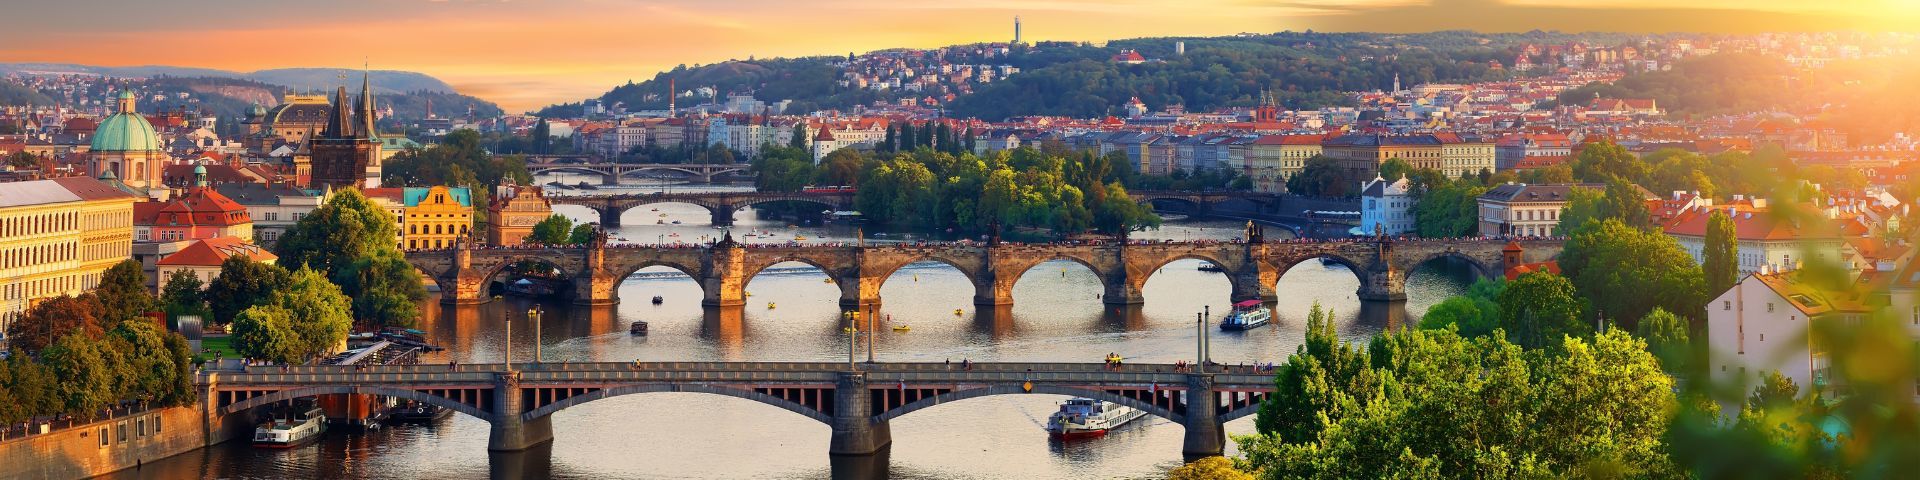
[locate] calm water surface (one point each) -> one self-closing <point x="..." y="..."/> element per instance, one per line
<point x="1055" y="317"/>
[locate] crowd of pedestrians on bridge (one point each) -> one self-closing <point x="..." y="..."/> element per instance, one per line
<point x="1084" y="242"/>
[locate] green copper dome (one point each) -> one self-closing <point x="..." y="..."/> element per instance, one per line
<point x="126" y="131"/>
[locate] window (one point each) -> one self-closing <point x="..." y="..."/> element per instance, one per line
<point x="156" y="423"/>
<point x="104" y="441"/>
<point x="1769" y="307"/>
<point x="1763" y="337"/>
<point x="123" y="432"/>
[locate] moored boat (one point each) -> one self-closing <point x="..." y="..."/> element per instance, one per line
<point x="299" y="427"/>
<point x="1247" y="315"/>
<point x="1086" y="417"/>
<point x="416" y="412"/>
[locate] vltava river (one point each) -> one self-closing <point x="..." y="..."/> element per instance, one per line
<point x="1056" y="317"/>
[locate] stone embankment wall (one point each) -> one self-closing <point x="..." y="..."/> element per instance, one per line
<point x="104" y="446"/>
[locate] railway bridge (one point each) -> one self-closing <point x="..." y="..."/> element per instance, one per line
<point x="855" y="400"/>
<point x="611" y="173"/>
<point x="1253" y="266"/>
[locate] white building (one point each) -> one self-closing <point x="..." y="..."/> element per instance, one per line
<point x="1386" y="208"/>
<point x="1761" y="325"/>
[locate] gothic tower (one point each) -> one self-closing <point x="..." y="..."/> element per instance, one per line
<point x="347" y="151"/>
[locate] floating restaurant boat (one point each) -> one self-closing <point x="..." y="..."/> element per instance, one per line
<point x="1247" y="315"/>
<point x="1086" y="417"/>
<point x="297" y="429"/>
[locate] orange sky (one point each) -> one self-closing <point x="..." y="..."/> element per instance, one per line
<point x="526" y="53"/>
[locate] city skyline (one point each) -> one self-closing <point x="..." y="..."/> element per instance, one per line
<point x="535" y="53"/>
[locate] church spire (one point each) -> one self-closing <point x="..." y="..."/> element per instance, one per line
<point x="339" y="123"/>
<point x="366" y="103"/>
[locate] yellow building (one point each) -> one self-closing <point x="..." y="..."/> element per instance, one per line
<point x="57" y="237"/>
<point x="1361" y="155"/>
<point x="514" y="212"/>
<point x="430" y="217"/>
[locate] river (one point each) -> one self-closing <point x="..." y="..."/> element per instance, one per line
<point x="793" y="315"/>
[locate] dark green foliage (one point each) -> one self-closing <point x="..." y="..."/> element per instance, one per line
<point x="1720" y="259"/>
<point x="551" y="231"/>
<point x="352" y="241"/>
<point x="1322" y="177"/>
<point x="1666" y="336"/>
<point x="1475" y="314"/>
<point x="1450" y="210"/>
<point x="182" y="296"/>
<point x="1541" y="309"/>
<point x="123" y="293"/>
<point x="242" y="283"/>
<point x="1627" y="271"/>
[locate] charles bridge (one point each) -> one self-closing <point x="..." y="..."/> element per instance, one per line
<point x="721" y="205"/>
<point x="1253" y="267"/>
<point x="855" y="400"/>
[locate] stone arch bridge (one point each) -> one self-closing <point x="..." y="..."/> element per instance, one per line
<point x="724" y="268"/>
<point x="856" y="401"/>
<point x="721" y="205"/>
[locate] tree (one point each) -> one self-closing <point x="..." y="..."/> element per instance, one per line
<point x="31" y="387"/>
<point x="1321" y="177"/>
<point x="1208" y="468"/>
<point x="1666" y="337"/>
<point x="581" y="234"/>
<point x="347" y="227"/>
<point x="86" y="380"/>
<point x="265" y="332"/>
<point x="1606" y="162"/>
<point x="1583" y="206"/>
<point x="1474" y="314"/>
<point x="1626" y="202"/>
<point x="1539" y="309"/>
<point x="156" y="373"/>
<point x="390" y="290"/>
<point x="1451" y="210"/>
<point x="182" y="296"/>
<point x="319" y="312"/>
<point x="1720" y="264"/>
<point x="242" y="283"/>
<point x="1395" y="168"/>
<point x="53" y="319"/>
<point x="799" y="135"/>
<point x="551" y="231"/>
<point x="22" y="160"/>
<point x="123" y="293"/>
<point x="1627" y="272"/>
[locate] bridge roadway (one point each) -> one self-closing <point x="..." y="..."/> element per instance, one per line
<point x="464" y="273"/>
<point x="722" y="205"/>
<point x="611" y="173"/>
<point x="856" y="400"/>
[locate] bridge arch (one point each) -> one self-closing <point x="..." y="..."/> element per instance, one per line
<point x="1154" y="202"/>
<point x="568" y="169"/>
<point x="550" y="409"/>
<point x="409" y="394"/>
<point x="1282" y="266"/>
<point x="1044" y="389"/>
<point x="1480" y="268"/>
<point x="759" y="201"/>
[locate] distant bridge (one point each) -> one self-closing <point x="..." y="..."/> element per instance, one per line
<point x="857" y="401"/>
<point x="723" y="269"/>
<point x="611" y="173"/>
<point x="722" y="205"/>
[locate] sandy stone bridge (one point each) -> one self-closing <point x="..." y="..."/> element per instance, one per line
<point x="723" y="269"/>
<point x="857" y="401"/>
<point x="721" y="205"/>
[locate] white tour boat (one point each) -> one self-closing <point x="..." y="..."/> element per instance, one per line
<point x="301" y="428"/>
<point x="1247" y="315"/>
<point x="1086" y="417"/>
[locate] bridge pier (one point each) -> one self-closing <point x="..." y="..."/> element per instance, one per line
<point x="855" y="432"/>
<point x="722" y="214"/>
<point x="1205" y="436"/>
<point x="860" y="292"/>
<point x="1384" y="284"/>
<point x="609" y="216"/>
<point x="595" y="285"/>
<point x="1122" y="290"/>
<point x="610" y="179"/>
<point x="511" y="432"/>
<point x="725" y="285"/>
<point x="463" y="285"/>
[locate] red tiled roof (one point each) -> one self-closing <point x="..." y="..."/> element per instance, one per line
<point x="211" y="252"/>
<point x="1550" y="266"/>
<point x="1749" y="224"/>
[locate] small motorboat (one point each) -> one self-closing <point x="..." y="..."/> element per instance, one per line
<point x="902" y="328"/>
<point x="957" y="312"/>
<point x="799" y="238"/>
<point x="638" y="329"/>
<point x="659" y="222"/>
<point x="657" y="300"/>
<point x="656" y="210"/>
<point x="675" y="222"/>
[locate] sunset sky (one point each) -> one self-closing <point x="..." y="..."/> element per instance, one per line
<point x="526" y="53"/>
